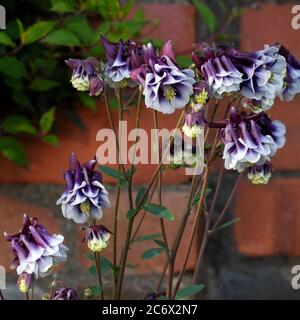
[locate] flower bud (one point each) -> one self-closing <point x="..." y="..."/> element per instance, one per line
<point x="25" y="281"/>
<point x="97" y="238"/>
<point x="260" y="174"/>
<point x="194" y="122"/>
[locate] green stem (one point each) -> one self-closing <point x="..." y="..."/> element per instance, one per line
<point x="99" y="274"/>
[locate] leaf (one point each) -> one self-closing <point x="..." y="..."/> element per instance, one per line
<point x="184" y="61"/>
<point x="140" y="195"/>
<point x="159" y="211"/>
<point x="112" y="172"/>
<point x="63" y="6"/>
<point x="105" y="264"/>
<point x="152" y="253"/>
<point x="62" y="38"/>
<point x="6" y="40"/>
<point x="47" y="120"/>
<point x="96" y="290"/>
<point x="92" y="270"/>
<point x="51" y="139"/>
<point x="207" y="15"/>
<point x="81" y="29"/>
<point x="197" y="198"/>
<point x="189" y="291"/>
<point x="89" y="256"/>
<point x="37" y="31"/>
<point x="18" y="124"/>
<point x="88" y="101"/>
<point x="227" y="224"/>
<point x="12" y="150"/>
<point x="132" y="212"/>
<point x="12" y="67"/>
<point x="147" y="237"/>
<point x="160" y="243"/>
<point x="75" y="118"/>
<point x="43" y="84"/>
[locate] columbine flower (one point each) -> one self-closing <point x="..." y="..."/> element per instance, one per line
<point x="201" y="95"/>
<point x="86" y="75"/>
<point x="292" y="78"/>
<point x="257" y="106"/>
<point x="260" y="174"/>
<point x="97" y="237"/>
<point x="65" y="294"/>
<point x="166" y="86"/>
<point x="217" y="69"/>
<point x="194" y="124"/>
<point x="25" y="281"/>
<point x="250" y="140"/>
<point x="84" y="195"/>
<point x="36" y="251"/>
<point x="119" y="67"/>
<point x="265" y="79"/>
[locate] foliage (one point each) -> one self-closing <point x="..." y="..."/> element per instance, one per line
<point x="33" y="75"/>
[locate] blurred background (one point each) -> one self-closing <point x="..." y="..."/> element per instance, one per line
<point x="43" y="119"/>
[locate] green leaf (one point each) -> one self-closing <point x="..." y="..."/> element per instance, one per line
<point x="6" y="40"/>
<point x="96" y="290"/>
<point x="92" y="270"/>
<point x="197" y="197"/>
<point x="62" y="38"/>
<point x="51" y="139"/>
<point x="105" y="264"/>
<point x="152" y="253"/>
<point x="159" y="211"/>
<point x="43" y="84"/>
<point x="18" y="124"/>
<point x="63" y="6"/>
<point x="47" y="120"/>
<point x="160" y="243"/>
<point x="89" y="256"/>
<point x="112" y="172"/>
<point x="87" y="101"/>
<point x="189" y="291"/>
<point x="81" y="29"/>
<point x="38" y="31"/>
<point x="12" y="67"/>
<point x="184" y="61"/>
<point x="147" y="237"/>
<point x="140" y="195"/>
<point x="207" y="14"/>
<point x="132" y="212"/>
<point x="227" y="224"/>
<point x="12" y="150"/>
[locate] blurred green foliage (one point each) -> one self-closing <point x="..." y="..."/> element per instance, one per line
<point x="34" y="79"/>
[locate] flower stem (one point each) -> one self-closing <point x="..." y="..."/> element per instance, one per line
<point x="1" y="295"/>
<point x="99" y="274"/>
<point x="27" y="295"/>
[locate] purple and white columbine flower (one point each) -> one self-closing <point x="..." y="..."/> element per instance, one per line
<point x="86" y="75"/>
<point x="292" y="78"/>
<point x="118" y="68"/>
<point x="194" y="124"/>
<point x="260" y="174"/>
<point x="35" y="250"/>
<point x="97" y="237"/>
<point x="65" y="294"/>
<point x="166" y="86"/>
<point x="217" y="69"/>
<point x="84" y="196"/>
<point x="250" y="140"/>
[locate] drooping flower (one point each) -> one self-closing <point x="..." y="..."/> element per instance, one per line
<point x="250" y="139"/>
<point x="84" y="195"/>
<point x="265" y="81"/>
<point x="257" y="106"/>
<point x="166" y="86"/>
<point x="65" y="294"/>
<point x="35" y="250"/>
<point x="292" y="78"/>
<point x="194" y="124"/>
<point x="217" y="69"/>
<point x="260" y="174"/>
<point x="25" y="281"/>
<point x="119" y="66"/>
<point x="87" y="75"/>
<point x="97" y="237"/>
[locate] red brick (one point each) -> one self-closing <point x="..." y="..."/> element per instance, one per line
<point x="11" y="213"/>
<point x="270" y="218"/>
<point x="175" y="201"/>
<point x="267" y="25"/>
<point x="46" y="162"/>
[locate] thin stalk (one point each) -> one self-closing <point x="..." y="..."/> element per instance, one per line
<point x="194" y="228"/>
<point x="99" y="274"/>
<point x="27" y="295"/>
<point x="130" y="223"/>
<point x="32" y="292"/>
<point x="1" y="295"/>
